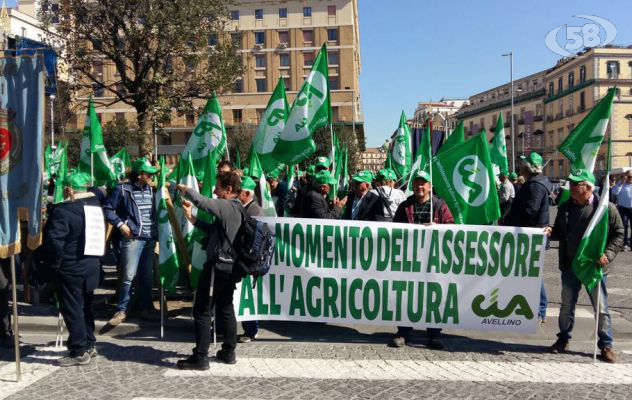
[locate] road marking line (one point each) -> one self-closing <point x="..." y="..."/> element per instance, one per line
<point x="470" y="371"/>
<point x="33" y="367"/>
<point x="579" y="312"/>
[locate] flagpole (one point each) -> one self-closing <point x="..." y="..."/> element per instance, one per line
<point x="16" y="332"/>
<point x="59" y="340"/>
<point x="91" y="167"/>
<point x="162" y="311"/>
<point x="597" y="321"/>
<point x="52" y="120"/>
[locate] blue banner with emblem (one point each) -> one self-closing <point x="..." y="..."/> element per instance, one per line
<point x="21" y="154"/>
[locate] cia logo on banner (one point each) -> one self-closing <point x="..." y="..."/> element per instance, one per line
<point x="471" y="181"/>
<point x="10" y="142"/>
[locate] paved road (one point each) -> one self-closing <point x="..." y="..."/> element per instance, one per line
<point x="320" y="361"/>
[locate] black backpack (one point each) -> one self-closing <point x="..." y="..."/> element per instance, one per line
<point x="253" y="248"/>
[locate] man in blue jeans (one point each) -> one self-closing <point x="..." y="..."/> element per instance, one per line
<point x="571" y="223"/>
<point x="130" y="209"/>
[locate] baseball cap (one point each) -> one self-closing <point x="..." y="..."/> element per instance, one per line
<point x="534" y="159"/>
<point x="247" y="183"/>
<point x="323" y="162"/>
<point x="581" y="175"/>
<point x="324" y="177"/>
<point x="423" y="175"/>
<point x="363" y="176"/>
<point x="142" y="165"/>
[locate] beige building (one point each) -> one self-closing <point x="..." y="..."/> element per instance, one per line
<point x="373" y="159"/>
<point x="278" y="39"/>
<point x="574" y="86"/>
<point x="440" y="112"/>
<point x="549" y="104"/>
<point x="483" y="110"/>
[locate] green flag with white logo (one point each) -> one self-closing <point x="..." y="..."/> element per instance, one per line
<point x="209" y="136"/>
<point x="270" y="127"/>
<point x="582" y="145"/>
<point x="94" y="160"/>
<point x="422" y="161"/>
<point x="593" y="243"/>
<point x="187" y="177"/>
<point x="401" y="155"/>
<point x="498" y="148"/>
<point x="311" y="110"/>
<point x="198" y="252"/>
<point x="120" y="162"/>
<point x="167" y="254"/>
<point x="267" y="204"/>
<point x="456" y="138"/>
<point x="464" y="179"/>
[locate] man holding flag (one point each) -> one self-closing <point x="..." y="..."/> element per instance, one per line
<point x="578" y="228"/>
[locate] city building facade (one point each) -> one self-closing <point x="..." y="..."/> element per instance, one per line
<point x="373" y="159"/>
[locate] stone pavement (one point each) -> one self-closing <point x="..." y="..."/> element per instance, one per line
<point x="302" y="360"/>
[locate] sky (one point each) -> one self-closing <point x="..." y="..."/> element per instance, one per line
<point x="420" y="50"/>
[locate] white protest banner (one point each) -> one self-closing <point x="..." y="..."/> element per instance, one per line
<point x="94" y="232"/>
<point x="353" y="272"/>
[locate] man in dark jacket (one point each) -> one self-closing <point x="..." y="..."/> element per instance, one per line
<point x="416" y="210"/>
<point x="573" y="218"/>
<point x="363" y="205"/>
<point x="530" y="208"/>
<point x="247" y="198"/>
<point x="315" y="204"/>
<point x="75" y="275"/>
<point x="6" y="333"/>
<point x="130" y="208"/>
<point x="216" y="284"/>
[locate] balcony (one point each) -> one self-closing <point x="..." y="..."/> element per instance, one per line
<point x="581" y="108"/>
<point x="549" y="118"/>
<point x="521" y="121"/>
<point x="570" y="113"/>
<point x="538" y="118"/>
<point x="558" y="116"/>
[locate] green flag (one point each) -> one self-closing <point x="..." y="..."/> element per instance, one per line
<point x="456" y="138"/>
<point x="498" y="151"/>
<point x="582" y="145"/>
<point x="422" y="161"/>
<point x="60" y="171"/>
<point x="237" y="158"/>
<point x="198" y="253"/>
<point x="187" y="177"/>
<point x="271" y="126"/>
<point x="401" y="157"/>
<point x="464" y="179"/>
<point x="267" y="204"/>
<point x="255" y="169"/>
<point x="311" y="110"/>
<point x="120" y="162"/>
<point x="209" y="136"/>
<point x="168" y="256"/>
<point x="593" y="243"/>
<point x="94" y="159"/>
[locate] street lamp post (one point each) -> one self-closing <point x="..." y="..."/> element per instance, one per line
<point x="513" y="139"/>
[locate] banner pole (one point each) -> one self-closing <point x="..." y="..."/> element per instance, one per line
<point x="597" y="322"/>
<point x="52" y="120"/>
<point x="431" y="187"/>
<point x="59" y="340"/>
<point x="91" y="168"/>
<point x="162" y="311"/>
<point x="16" y="330"/>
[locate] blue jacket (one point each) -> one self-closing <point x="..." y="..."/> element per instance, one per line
<point x="121" y="208"/>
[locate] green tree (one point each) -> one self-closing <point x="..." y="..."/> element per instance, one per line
<point x="166" y="53"/>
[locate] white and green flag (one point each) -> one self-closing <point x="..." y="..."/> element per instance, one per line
<point x="120" y="162"/>
<point x="464" y="179"/>
<point x="498" y="148"/>
<point x="422" y="161"/>
<point x="60" y="170"/>
<point x="267" y="204"/>
<point x="209" y="136"/>
<point x="311" y="110"/>
<point x="270" y="127"/>
<point x="168" y="256"/>
<point x="94" y="159"/>
<point x="456" y="138"/>
<point x="186" y="177"/>
<point x="582" y="145"/>
<point x="401" y="155"/>
<point x="198" y="252"/>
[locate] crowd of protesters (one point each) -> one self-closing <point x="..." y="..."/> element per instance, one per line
<point x="130" y="210"/>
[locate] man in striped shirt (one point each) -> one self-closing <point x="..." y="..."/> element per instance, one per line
<point x="130" y="208"/>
